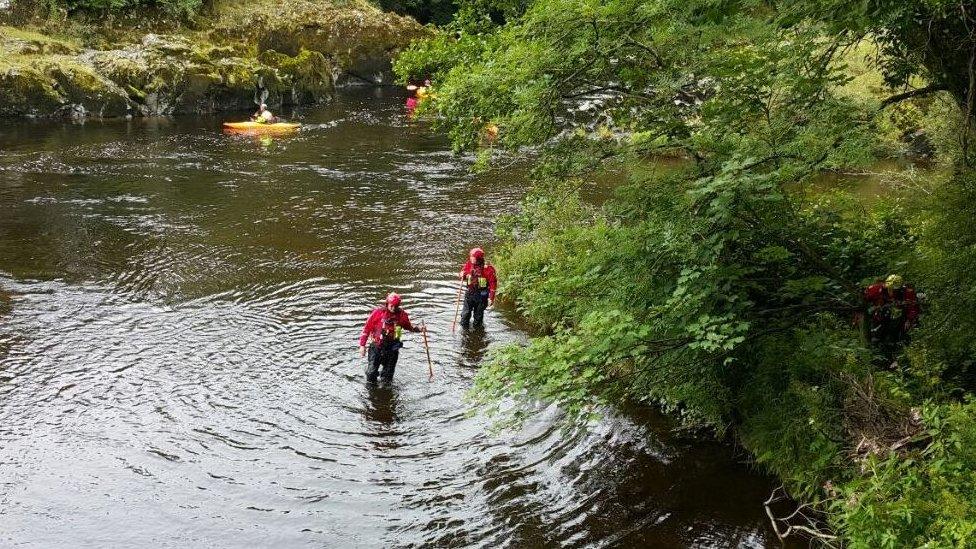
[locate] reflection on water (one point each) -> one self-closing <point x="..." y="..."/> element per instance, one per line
<point x="179" y="312"/>
<point x="474" y="345"/>
<point x="382" y="405"/>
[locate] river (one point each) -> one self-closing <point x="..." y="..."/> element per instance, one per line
<point x="178" y="320"/>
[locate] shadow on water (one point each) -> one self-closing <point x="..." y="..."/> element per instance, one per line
<point x="6" y="309"/>
<point x="180" y="368"/>
<point x="6" y="302"/>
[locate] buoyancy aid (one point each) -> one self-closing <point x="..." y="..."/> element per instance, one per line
<point x="476" y="279"/>
<point x="891" y="308"/>
<point x="391" y="331"/>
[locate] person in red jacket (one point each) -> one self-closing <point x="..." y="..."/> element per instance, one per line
<point x="480" y="284"/>
<point x="892" y="311"/>
<point x="412" y="101"/>
<point x="382" y="333"/>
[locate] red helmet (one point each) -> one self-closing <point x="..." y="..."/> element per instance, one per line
<point x="477" y="253"/>
<point x="393" y="299"/>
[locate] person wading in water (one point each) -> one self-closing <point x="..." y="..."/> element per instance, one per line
<point x="479" y="283"/>
<point x="382" y="333"/>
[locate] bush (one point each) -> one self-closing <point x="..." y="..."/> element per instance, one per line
<point x="792" y="403"/>
<point x="725" y="290"/>
<point x="923" y="498"/>
<point x="946" y="263"/>
<point x="438" y="12"/>
<point x="178" y="8"/>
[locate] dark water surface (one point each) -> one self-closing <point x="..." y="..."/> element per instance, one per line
<point x="178" y="368"/>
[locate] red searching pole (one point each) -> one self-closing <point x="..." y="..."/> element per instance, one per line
<point x="430" y="365"/>
<point x="457" y="307"/>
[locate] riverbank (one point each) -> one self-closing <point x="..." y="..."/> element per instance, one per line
<point x="226" y="58"/>
<point x="731" y="291"/>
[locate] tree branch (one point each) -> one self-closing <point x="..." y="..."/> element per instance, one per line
<point x="927" y="90"/>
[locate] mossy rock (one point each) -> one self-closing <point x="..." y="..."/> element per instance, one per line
<point x="43" y="85"/>
<point x="171" y="74"/>
<point x="357" y="37"/>
<point x="307" y="76"/>
<point x="294" y="51"/>
<point x="22" y="41"/>
<point x="27" y="91"/>
<point x="82" y="85"/>
<point x="128" y="68"/>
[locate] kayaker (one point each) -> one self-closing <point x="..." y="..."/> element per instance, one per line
<point x="382" y="333"/>
<point x="479" y="282"/>
<point x="264" y="116"/>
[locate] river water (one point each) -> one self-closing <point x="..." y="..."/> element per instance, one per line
<point x="178" y="320"/>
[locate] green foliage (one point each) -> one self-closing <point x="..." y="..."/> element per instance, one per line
<point x="438" y="12"/>
<point x="179" y="8"/>
<point x="469" y="15"/>
<point x="701" y="299"/>
<point x="441" y="52"/>
<point x="928" y="38"/>
<point x="947" y="261"/>
<point x="472" y="33"/>
<point x="792" y="401"/>
<point x="925" y="498"/>
<point x="553" y="367"/>
<point x="725" y="289"/>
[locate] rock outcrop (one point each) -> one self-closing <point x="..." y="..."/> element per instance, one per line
<point x="286" y="53"/>
<point x="359" y="40"/>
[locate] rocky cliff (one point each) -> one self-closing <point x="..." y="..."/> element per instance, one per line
<point x="291" y="52"/>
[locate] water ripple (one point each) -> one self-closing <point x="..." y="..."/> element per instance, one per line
<point x="179" y="314"/>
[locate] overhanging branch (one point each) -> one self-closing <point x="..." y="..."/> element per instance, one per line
<point x="927" y="90"/>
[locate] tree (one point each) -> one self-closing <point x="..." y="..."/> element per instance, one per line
<point x="722" y="289"/>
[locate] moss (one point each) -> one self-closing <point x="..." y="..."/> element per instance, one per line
<point x="190" y="76"/>
<point x="291" y="50"/>
<point x="356" y="36"/>
<point x="43" y="85"/>
<point x="306" y="76"/>
<point x="25" y="90"/>
<point x="81" y="84"/>
<point x="127" y="68"/>
<point x="136" y="94"/>
<point x="23" y="41"/>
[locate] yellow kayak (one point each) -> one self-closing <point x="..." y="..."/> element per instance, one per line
<point x="257" y="128"/>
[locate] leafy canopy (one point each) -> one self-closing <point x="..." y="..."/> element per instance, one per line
<point x="723" y="284"/>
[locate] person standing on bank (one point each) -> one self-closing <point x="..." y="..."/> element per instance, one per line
<point x="382" y="333"/>
<point x="479" y="283"/>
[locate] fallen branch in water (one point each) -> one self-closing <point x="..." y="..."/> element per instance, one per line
<point x="809" y="528"/>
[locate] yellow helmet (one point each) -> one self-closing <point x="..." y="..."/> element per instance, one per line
<point x="894" y="282"/>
